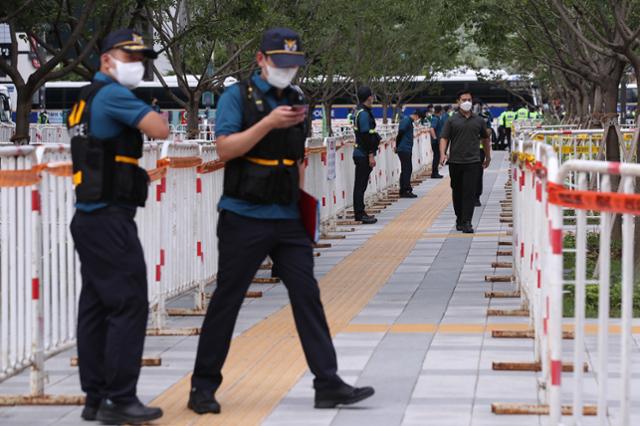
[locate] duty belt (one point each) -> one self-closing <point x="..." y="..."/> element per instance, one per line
<point x="77" y="176"/>
<point x="271" y="163"/>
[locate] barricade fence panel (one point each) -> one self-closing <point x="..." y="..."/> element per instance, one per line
<point x="40" y="279"/>
<point x="562" y="191"/>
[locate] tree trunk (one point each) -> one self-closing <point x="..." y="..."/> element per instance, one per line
<point x="327" y="118"/>
<point x="385" y="113"/>
<point x="193" y="108"/>
<point x="23" y="111"/>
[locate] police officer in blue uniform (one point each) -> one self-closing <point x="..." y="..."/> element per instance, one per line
<point x="105" y="125"/>
<point x="404" y="149"/>
<point x="260" y="136"/>
<point x="364" y="152"/>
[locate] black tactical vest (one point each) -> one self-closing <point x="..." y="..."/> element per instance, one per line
<point x="105" y="170"/>
<point x="363" y="139"/>
<point x="268" y="173"/>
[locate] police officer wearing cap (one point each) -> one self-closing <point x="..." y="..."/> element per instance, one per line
<point x="364" y="152"/>
<point x="260" y="136"/>
<point x="105" y="126"/>
<point x="404" y="149"/>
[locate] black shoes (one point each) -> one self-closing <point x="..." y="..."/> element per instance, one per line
<point x="436" y="176"/>
<point x="467" y="228"/>
<point x="135" y="413"/>
<point x="343" y="395"/>
<point x="89" y="412"/>
<point x="408" y="194"/>
<point x="365" y="219"/>
<point x="478" y="203"/>
<point x="458" y="226"/>
<point x="202" y="402"/>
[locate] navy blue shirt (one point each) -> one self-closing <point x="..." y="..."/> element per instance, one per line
<point x="113" y="109"/>
<point x="228" y="121"/>
<point x="406" y="128"/>
<point x="437" y="123"/>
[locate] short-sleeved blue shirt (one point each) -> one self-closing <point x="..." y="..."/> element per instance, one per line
<point x="112" y="109"/>
<point x="437" y="123"/>
<point x="405" y="144"/>
<point x="363" y="127"/>
<point x="228" y="121"/>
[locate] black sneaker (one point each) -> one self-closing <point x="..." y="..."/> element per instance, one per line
<point x="436" y="176"/>
<point x="135" y="413"/>
<point x="366" y="220"/>
<point x="202" y="402"/>
<point x="342" y="395"/>
<point x="408" y="195"/>
<point x="458" y="227"/>
<point x="89" y="412"/>
<point x="467" y="228"/>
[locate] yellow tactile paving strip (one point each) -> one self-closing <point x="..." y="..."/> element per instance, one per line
<point x="266" y="361"/>
<point x="476" y="235"/>
<point x="465" y="328"/>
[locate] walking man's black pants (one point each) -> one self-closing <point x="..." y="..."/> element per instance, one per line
<point x="406" y="169"/>
<point x="363" y="170"/>
<point x="479" y="188"/>
<point x="243" y="244"/>
<point x="464" y="184"/>
<point x="113" y="306"/>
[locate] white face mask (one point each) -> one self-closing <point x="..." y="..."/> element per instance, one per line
<point x="280" y="77"/>
<point x="466" y="106"/>
<point x="129" y="74"/>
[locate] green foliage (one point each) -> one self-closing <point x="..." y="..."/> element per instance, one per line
<point x="592" y="290"/>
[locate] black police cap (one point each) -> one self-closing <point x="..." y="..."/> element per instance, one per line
<point x="283" y="46"/>
<point x="363" y="93"/>
<point x="129" y="41"/>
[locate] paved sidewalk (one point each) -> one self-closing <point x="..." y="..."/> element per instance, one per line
<point x="423" y="340"/>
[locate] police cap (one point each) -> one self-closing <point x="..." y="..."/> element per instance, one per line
<point x="283" y="46"/>
<point x="128" y="40"/>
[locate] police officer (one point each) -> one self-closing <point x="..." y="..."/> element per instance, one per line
<point x="260" y="135"/>
<point x="464" y="132"/>
<point x="364" y="152"/>
<point x="105" y="125"/>
<point x="522" y="113"/>
<point x="404" y="149"/>
<point x="437" y="123"/>
<point x="505" y="120"/>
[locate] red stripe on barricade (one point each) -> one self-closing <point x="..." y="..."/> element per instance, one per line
<point x="198" y="185"/>
<point x="522" y="249"/>
<point x="556" y="372"/>
<point x="555" y="237"/>
<point x="610" y="202"/>
<point x="163" y="185"/>
<point x="324" y="202"/>
<point x="342" y="156"/>
<point x="521" y="179"/>
<point x="159" y="192"/>
<point x="334" y="198"/>
<point x="161" y="257"/>
<point x="199" y="249"/>
<point x="35" y="200"/>
<point x="158" y="272"/>
<point x="323" y="157"/>
<point x="539" y="191"/>
<point x="531" y="259"/>
<point x="539" y="278"/>
<point x="35" y="289"/>
<point x="343" y="195"/>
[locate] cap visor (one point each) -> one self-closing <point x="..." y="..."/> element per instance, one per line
<point x="146" y="51"/>
<point x="285" y="60"/>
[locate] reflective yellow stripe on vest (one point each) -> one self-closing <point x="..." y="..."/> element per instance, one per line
<point x="271" y="163"/>
<point x="125" y="159"/>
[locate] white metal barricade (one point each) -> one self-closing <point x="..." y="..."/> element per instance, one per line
<point x="20" y="299"/>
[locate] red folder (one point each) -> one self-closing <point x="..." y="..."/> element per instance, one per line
<point x="310" y="215"/>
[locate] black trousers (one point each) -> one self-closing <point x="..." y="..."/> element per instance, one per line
<point x="113" y="307"/>
<point x="243" y="244"/>
<point x="464" y="184"/>
<point x="504" y="132"/>
<point x="363" y="170"/>
<point x="479" y="188"/>
<point x="406" y="169"/>
<point x="435" y="147"/>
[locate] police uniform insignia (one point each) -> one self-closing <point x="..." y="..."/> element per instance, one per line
<point x="290" y="45"/>
<point x="137" y="39"/>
